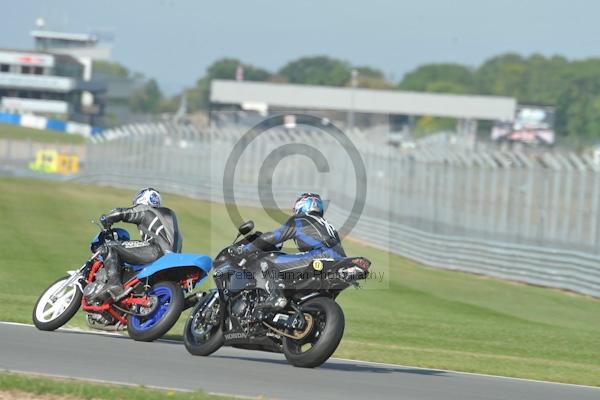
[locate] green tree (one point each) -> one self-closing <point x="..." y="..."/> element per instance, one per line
<point x="428" y="124"/>
<point x="369" y="72"/>
<point x="147" y="99"/>
<point x="439" y="78"/>
<point x="448" y="87"/>
<point x="225" y="68"/>
<point x="318" y="70"/>
<point x="578" y="104"/>
<point x="546" y="78"/>
<point x="503" y="75"/>
<point x="573" y="87"/>
<point x="535" y="79"/>
<point x="372" y="78"/>
<point x="428" y="78"/>
<point x="110" y="68"/>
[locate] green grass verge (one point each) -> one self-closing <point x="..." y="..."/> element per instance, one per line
<point x="8" y="131"/>
<point x="86" y="390"/>
<point x="421" y="316"/>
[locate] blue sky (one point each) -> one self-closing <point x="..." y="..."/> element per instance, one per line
<point x="174" y="40"/>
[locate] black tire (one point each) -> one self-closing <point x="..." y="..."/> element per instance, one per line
<point x="63" y="318"/>
<point x="166" y="322"/>
<point x="199" y="346"/>
<point x="324" y="338"/>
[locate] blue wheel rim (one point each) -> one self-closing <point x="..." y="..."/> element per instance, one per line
<point x="164" y="295"/>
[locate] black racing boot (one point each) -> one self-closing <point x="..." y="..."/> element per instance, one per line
<point x="276" y="300"/>
<point x="114" y="286"/>
<point x="115" y="289"/>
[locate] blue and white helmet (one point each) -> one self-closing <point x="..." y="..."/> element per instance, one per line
<point x="308" y="203"/>
<point x="147" y="196"/>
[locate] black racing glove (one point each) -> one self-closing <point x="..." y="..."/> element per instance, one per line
<point x="236" y="250"/>
<point x="105" y="222"/>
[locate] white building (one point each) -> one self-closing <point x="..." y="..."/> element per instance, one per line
<point x="55" y="78"/>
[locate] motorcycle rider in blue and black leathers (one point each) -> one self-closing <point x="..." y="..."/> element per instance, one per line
<point x="314" y="236"/>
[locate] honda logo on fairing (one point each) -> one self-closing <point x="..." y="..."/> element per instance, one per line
<point x="237" y="335"/>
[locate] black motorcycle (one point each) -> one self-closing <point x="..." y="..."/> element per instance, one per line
<point x="308" y="330"/>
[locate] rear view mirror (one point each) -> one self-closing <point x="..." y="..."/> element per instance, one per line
<point x="246" y="227"/>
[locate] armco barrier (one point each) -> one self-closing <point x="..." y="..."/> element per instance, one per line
<point x="559" y="268"/>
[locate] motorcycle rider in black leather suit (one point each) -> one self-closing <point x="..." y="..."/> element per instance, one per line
<point x="159" y="233"/>
<point x="314" y="237"/>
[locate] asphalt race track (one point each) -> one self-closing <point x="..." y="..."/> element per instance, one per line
<point x="246" y="373"/>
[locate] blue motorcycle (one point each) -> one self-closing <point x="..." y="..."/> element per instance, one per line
<point x="155" y="293"/>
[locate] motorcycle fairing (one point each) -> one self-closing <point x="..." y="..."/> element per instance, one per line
<point x="175" y="260"/>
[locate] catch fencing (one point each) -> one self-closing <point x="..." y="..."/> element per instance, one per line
<point x="503" y="214"/>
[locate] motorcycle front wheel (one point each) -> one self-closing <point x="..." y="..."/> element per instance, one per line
<point x="322" y="340"/>
<point x="202" y="334"/>
<point x="55" y="307"/>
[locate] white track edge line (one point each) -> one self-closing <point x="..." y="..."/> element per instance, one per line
<point x="468" y="373"/>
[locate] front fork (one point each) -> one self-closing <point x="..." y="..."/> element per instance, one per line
<point x="76" y="276"/>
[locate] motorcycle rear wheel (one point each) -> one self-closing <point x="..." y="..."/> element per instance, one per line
<point x="159" y="321"/>
<point x="50" y="315"/>
<point x="324" y="337"/>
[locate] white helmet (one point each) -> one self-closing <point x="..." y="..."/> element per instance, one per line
<point x="147" y="196"/>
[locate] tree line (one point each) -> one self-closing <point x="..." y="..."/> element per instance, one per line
<point x="572" y="86"/>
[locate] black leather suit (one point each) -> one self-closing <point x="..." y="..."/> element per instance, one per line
<point x="159" y="232"/>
